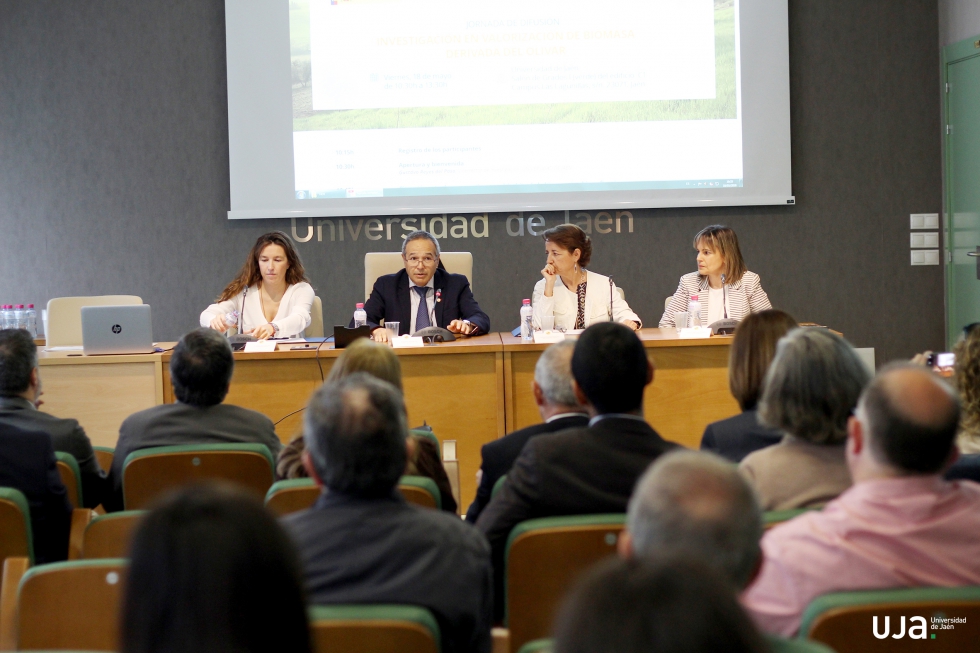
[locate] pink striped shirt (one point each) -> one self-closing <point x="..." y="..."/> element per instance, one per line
<point x="885" y="533"/>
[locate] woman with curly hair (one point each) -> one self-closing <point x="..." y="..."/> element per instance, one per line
<point x="966" y="376"/>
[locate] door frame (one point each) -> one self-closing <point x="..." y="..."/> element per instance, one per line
<point x="950" y="54"/>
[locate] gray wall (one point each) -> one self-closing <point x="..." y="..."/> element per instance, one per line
<point x="114" y="176"/>
<point x="958" y="20"/>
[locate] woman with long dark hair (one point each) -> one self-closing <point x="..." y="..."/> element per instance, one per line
<point x="271" y="295"/>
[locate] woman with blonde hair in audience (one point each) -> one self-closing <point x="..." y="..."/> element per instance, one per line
<point x="212" y="571"/>
<point x="966" y="374"/>
<point x="752" y="351"/>
<point x="810" y="391"/>
<point x="364" y="355"/>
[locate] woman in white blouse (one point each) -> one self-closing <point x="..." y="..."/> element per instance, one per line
<point x="576" y="297"/>
<point x="722" y="284"/>
<point x="271" y="296"/>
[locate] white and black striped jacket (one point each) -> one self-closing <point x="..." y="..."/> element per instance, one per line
<point x="744" y="296"/>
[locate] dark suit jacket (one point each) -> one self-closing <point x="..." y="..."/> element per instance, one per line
<point x="390" y="301"/>
<point x="67" y="436"/>
<point x="178" y="424"/>
<point x="499" y="456"/>
<point x="574" y="472"/>
<point x="736" y="437"/>
<point x="27" y="464"/>
<point x="966" y="468"/>
<point x="357" y="550"/>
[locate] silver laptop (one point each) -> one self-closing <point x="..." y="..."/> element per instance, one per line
<point x="117" y="330"/>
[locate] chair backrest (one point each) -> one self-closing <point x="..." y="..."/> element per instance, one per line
<point x="291" y="495"/>
<point x="497" y="486"/>
<point x="772" y="518"/>
<point x="667" y="303"/>
<point x="107" y="536"/>
<point x="148" y="472"/>
<point x="16" y="537"/>
<point x="71" y="477"/>
<point x="64" y="327"/>
<point x="315" y="330"/>
<point x="71" y="605"/>
<point x="377" y="264"/>
<point x="427" y="433"/>
<point x="538" y="646"/>
<point x="844" y="621"/>
<point x="420" y="490"/>
<point x="373" y="629"/>
<point x="544" y="557"/>
<point x="104" y="456"/>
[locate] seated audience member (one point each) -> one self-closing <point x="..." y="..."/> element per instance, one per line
<point x="200" y="370"/>
<point x="966" y="374"/>
<point x="552" y="390"/>
<point x="901" y="525"/>
<point x="424" y="294"/>
<point x="697" y="504"/>
<point x="27" y="464"/>
<point x="211" y="570"/>
<point x="20" y="397"/>
<point x="671" y="606"/>
<point x="590" y="469"/>
<point x="379" y="361"/>
<point x="753" y="348"/>
<point x="361" y="542"/>
<point x="810" y="390"/>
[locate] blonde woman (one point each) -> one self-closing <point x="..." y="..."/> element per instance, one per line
<point x="723" y="285"/>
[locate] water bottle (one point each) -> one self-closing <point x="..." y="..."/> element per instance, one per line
<point x="31" y="320"/>
<point x="694" y="308"/>
<point x="231" y="322"/>
<point x="360" y="315"/>
<point x="5" y="317"/>
<point x="527" y="314"/>
<point x="20" y="317"/>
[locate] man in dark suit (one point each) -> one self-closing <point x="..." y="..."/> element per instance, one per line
<point x="423" y="294"/>
<point x="584" y="470"/>
<point x="361" y="542"/>
<point x="20" y="397"/>
<point x="200" y="371"/>
<point x="552" y="389"/>
<point x="27" y="464"/>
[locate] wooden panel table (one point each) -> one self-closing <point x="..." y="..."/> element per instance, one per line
<point x="100" y="391"/>
<point x="689" y="389"/>
<point x="454" y="387"/>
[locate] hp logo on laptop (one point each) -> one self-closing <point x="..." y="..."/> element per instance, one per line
<point x="116" y="328"/>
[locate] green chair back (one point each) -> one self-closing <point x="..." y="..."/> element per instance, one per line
<point x="844" y="620"/>
<point x="108" y="536"/>
<point x="71" y="476"/>
<point x="426" y="433"/>
<point x="148" y="472"/>
<point x="420" y="490"/>
<point x="538" y="646"/>
<point x="373" y="629"/>
<point x="16" y="536"/>
<point x="543" y="559"/>
<point x="291" y="495"/>
<point x="497" y="485"/>
<point x="71" y="605"/>
<point x="773" y="517"/>
<point x="104" y="456"/>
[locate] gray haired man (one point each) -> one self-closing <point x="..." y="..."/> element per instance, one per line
<point x="553" y="394"/>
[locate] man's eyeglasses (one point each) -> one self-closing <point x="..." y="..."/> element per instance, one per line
<point x="424" y="260"/>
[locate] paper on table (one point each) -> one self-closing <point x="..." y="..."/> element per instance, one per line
<point x="694" y="332"/>
<point x="548" y="336"/>
<point x="288" y="341"/>
<point x="260" y="345"/>
<point x="71" y="348"/>
<point x="406" y="342"/>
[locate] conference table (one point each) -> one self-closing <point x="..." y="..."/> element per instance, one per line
<point x="470" y="391"/>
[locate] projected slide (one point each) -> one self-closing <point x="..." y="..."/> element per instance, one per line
<point x="429" y="97"/>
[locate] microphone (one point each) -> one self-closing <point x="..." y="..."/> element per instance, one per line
<point x="724" y="296"/>
<point x="610" y="299"/>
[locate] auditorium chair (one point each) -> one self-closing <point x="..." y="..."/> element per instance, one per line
<point x="104" y="456"/>
<point x="71" y="477"/>
<point x="148" y="472"/>
<point x="544" y="557"/>
<point x="16" y="556"/>
<point x="373" y="629"/>
<point x="295" y="494"/>
<point x="775" y="517"/>
<point x="70" y="605"/>
<point x="64" y="326"/>
<point x="844" y="620"/>
<point x="96" y="536"/>
<point x="377" y="264"/>
<point x="315" y="330"/>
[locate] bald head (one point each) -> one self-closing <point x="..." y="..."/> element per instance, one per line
<point x="696" y="503"/>
<point x="911" y="417"/>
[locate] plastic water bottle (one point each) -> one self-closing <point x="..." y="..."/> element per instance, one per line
<point x="694" y="308"/>
<point x="231" y="322"/>
<point x="360" y="315"/>
<point x="527" y="313"/>
<point x="20" y="317"/>
<point x="5" y="317"/>
<point x="31" y="316"/>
